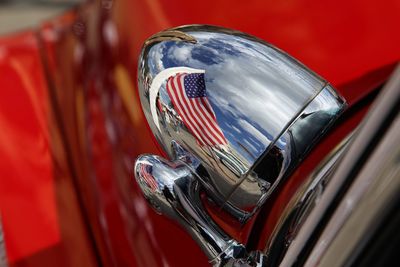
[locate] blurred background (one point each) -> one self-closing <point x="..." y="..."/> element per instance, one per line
<point x="16" y="15"/>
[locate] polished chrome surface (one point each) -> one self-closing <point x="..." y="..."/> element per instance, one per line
<point x="289" y="149"/>
<point x="172" y="190"/>
<point x="270" y="108"/>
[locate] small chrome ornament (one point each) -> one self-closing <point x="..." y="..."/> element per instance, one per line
<point x="236" y="116"/>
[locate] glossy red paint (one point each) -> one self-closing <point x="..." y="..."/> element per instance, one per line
<point x="340" y="40"/>
<point x="105" y="130"/>
<point x="40" y="216"/>
<point x="96" y="128"/>
<point x="26" y="195"/>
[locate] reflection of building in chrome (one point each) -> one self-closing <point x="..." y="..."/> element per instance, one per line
<point x="226" y="156"/>
<point x="167" y="114"/>
<point x="239" y="167"/>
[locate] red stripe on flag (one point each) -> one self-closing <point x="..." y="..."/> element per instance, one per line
<point x="216" y="131"/>
<point x="172" y="92"/>
<point x="196" y="113"/>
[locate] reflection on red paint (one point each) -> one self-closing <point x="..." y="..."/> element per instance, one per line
<point x="27" y="197"/>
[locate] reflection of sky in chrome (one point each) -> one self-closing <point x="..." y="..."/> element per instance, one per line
<point x="253" y="90"/>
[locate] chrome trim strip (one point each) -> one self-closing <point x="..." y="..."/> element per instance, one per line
<point x="380" y="109"/>
<point x="363" y="207"/>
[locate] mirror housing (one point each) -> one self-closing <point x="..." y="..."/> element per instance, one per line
<point x="256" y="114"/>
<point x="235" y="115"/>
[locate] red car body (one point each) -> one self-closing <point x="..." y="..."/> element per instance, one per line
<point x="71" y="123"/>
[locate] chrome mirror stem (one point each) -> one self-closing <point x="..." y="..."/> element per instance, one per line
<point x="173" y="191"/>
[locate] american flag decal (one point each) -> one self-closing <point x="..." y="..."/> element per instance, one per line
<point x="188" y="95"/>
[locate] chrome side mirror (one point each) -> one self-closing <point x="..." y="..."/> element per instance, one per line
<point x="236" y="115"/>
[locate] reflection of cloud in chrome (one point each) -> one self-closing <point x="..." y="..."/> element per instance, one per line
<point x="254" y="132"/>
<point x="156" y="64"/>
<point x="249" y="146"/>
<point x="181" y="54"/>
<point x="251" y="87"/>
